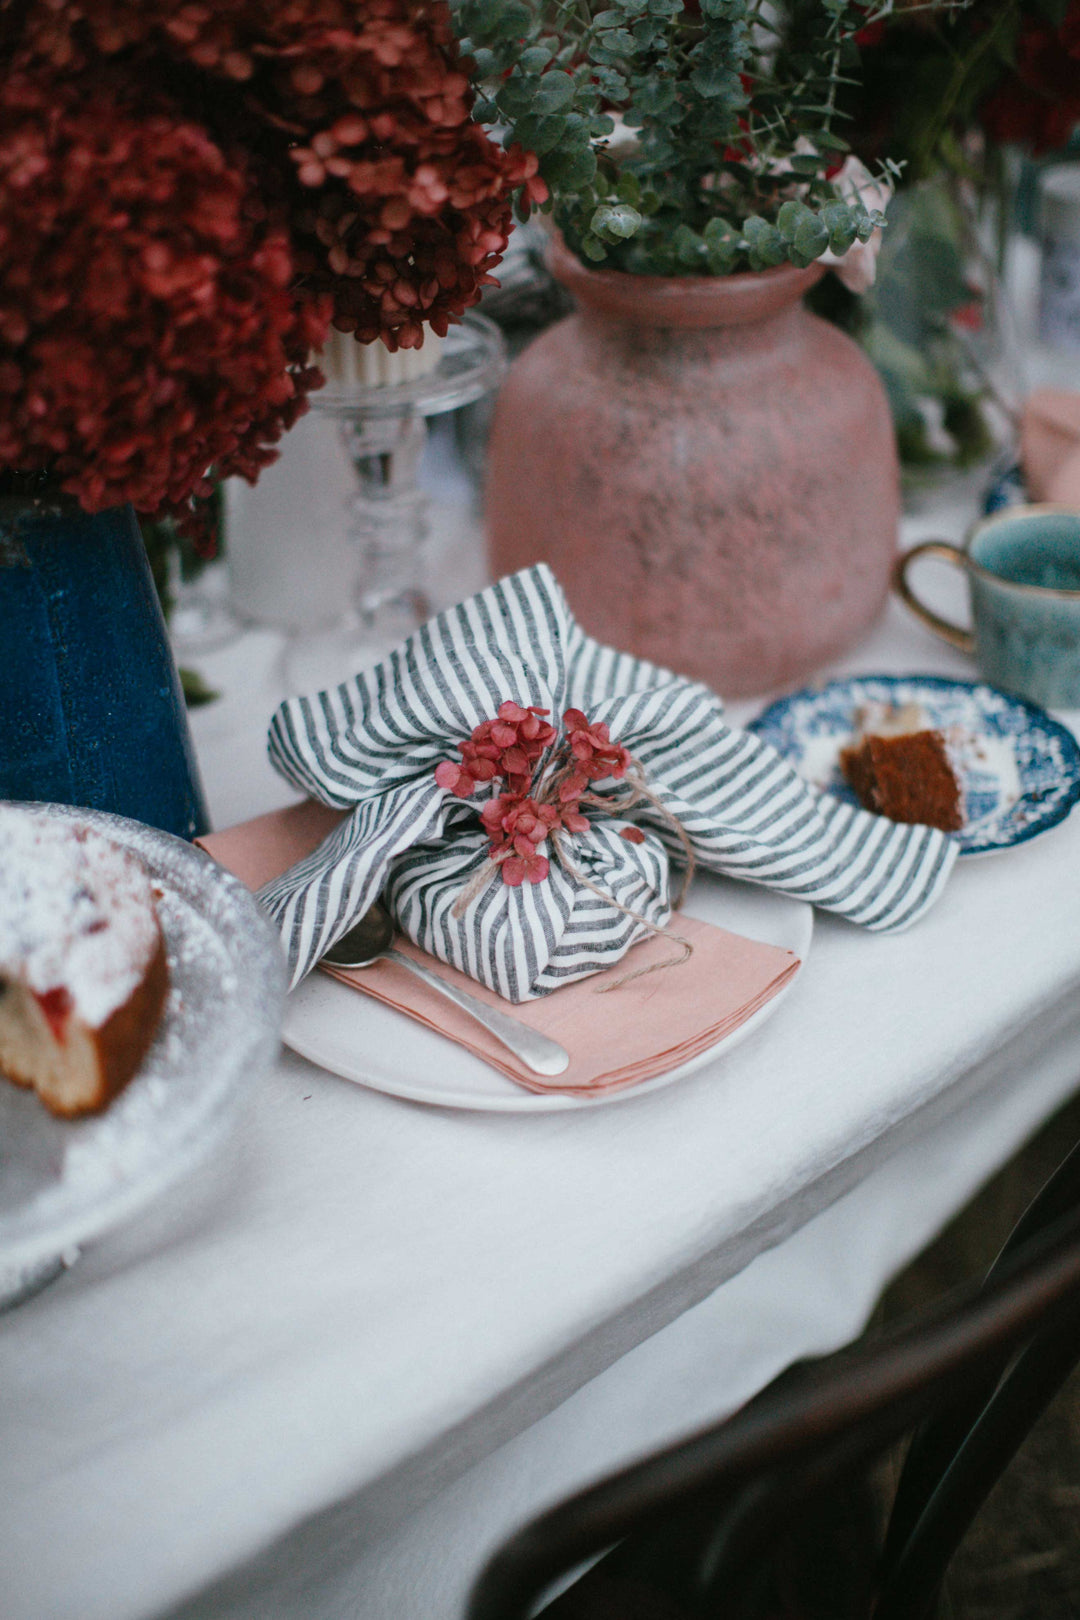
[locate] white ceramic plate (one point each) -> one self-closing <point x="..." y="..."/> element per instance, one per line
<point x="63" y="1182"/>
<point x="363" y="1040"/>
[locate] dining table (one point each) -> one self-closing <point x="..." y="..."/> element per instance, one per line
<point x="324" y="1374"/>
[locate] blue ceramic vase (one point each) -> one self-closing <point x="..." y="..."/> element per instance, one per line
<point x="91" y="710"/>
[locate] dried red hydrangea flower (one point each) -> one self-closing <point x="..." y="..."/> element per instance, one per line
<point x="518" y="869"/>
<point x="147" y="328"/>
<point x="522" y="735"/>
<point x="508" y="746"/>
<point x="1038" y="101"/>
<point x="400" y="206"/>
<point x="517" y="821"/>
<point x="188" y="194"/>
<point x="595" y="755"/>
<point x="516" y="826"/>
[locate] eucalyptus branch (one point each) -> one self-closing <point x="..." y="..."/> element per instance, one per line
<point x="718" y="178"/>
<point x="833" y="80"/>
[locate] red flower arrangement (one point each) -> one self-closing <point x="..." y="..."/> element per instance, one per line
<point x="518" y="821"/>
<point x="1038" y="102"/>
<point x="188" y="195"/>
<point x="508" y="746"/>
<point x="147" y="328"/>
<point x="931" y="74"/>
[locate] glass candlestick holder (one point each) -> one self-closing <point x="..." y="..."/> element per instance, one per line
<point x="384" y="431"/>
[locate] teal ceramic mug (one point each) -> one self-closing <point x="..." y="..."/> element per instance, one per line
<point x="1023" y="572"/>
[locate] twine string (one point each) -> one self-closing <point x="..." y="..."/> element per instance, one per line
<point x="654" y="928"/>
<point x="476" y="885"/>
<point x="641" y="793"/>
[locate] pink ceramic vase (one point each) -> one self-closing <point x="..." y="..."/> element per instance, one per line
<point x="709" y="469"/>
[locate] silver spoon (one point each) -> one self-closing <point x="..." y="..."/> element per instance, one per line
<point x="369" y="941"/>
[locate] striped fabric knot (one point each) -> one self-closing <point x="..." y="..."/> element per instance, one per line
<point x="372" y="746"/>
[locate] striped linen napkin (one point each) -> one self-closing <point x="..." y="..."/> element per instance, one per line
<point x="371" y="747"/>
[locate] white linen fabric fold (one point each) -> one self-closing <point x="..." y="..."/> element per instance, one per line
<point x="371" y="746"/>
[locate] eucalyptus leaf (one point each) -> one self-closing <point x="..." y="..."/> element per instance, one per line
<point x="510" y="21"/>
<point x="841" y="223"/>
<point x="617" y="40"/>
<point x="809" y="242"/>
<point x="611" y="83"/>
<point x="593" y="248"/>
<point x="533" y="60"/>
<point x="570" y="170"/>
<point x="803" y="163"/>
<point x="689" y="247"/>
<point x="629" y="189"/>
<point x="710" y="80"/>
<point x="615" y="222"/>
<point x="791" y="216"/>
<point x="555" y="92"/>
<point x="766" y="247"/>
<point x="542" y="136"/>
<point x="653" y="97"/>
<point x="650" y="31"/>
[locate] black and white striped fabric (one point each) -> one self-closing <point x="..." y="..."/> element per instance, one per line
<point x="372" y="744"/>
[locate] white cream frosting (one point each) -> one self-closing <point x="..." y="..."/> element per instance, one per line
<point x="76" y="912"/>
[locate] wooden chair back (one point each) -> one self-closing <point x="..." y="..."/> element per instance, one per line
<point x="967" y="1378"/>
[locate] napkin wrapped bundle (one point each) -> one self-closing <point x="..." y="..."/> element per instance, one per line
<point x="372" y="745"/>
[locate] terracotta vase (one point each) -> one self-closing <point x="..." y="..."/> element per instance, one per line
<point x="709" y="469"/>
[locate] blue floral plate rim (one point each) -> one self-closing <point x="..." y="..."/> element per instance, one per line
<point x="1044" y="753"/>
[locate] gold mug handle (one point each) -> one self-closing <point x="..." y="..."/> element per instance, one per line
<point x="940" y="549"/>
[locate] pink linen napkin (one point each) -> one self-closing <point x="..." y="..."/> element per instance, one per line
<point x="636" y="1031"/>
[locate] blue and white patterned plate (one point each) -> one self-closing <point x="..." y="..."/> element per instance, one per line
<point x="1019" y="769"/>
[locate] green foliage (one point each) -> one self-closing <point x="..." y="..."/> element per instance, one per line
<point x="195" y="689"/>
<point x="906" y="325"/>
<point x="723" y="157"/>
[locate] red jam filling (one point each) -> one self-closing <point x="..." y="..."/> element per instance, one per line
<point x="56" y="1005"/>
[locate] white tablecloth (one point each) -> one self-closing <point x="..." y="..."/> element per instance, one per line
<point x="364" y="1306"/>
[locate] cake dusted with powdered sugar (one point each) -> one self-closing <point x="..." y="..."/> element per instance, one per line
<point x="83" y="977"/>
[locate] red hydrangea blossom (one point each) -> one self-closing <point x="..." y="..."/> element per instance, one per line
<point x="189" y="193"/>
<point x="147" y="329"/>
<point x="516" y="826"/>
<point x="509" y="748"/>
<point x="595" y="755"/>
<point x="400" y="205"/>
<point x="1038" y="103"/>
